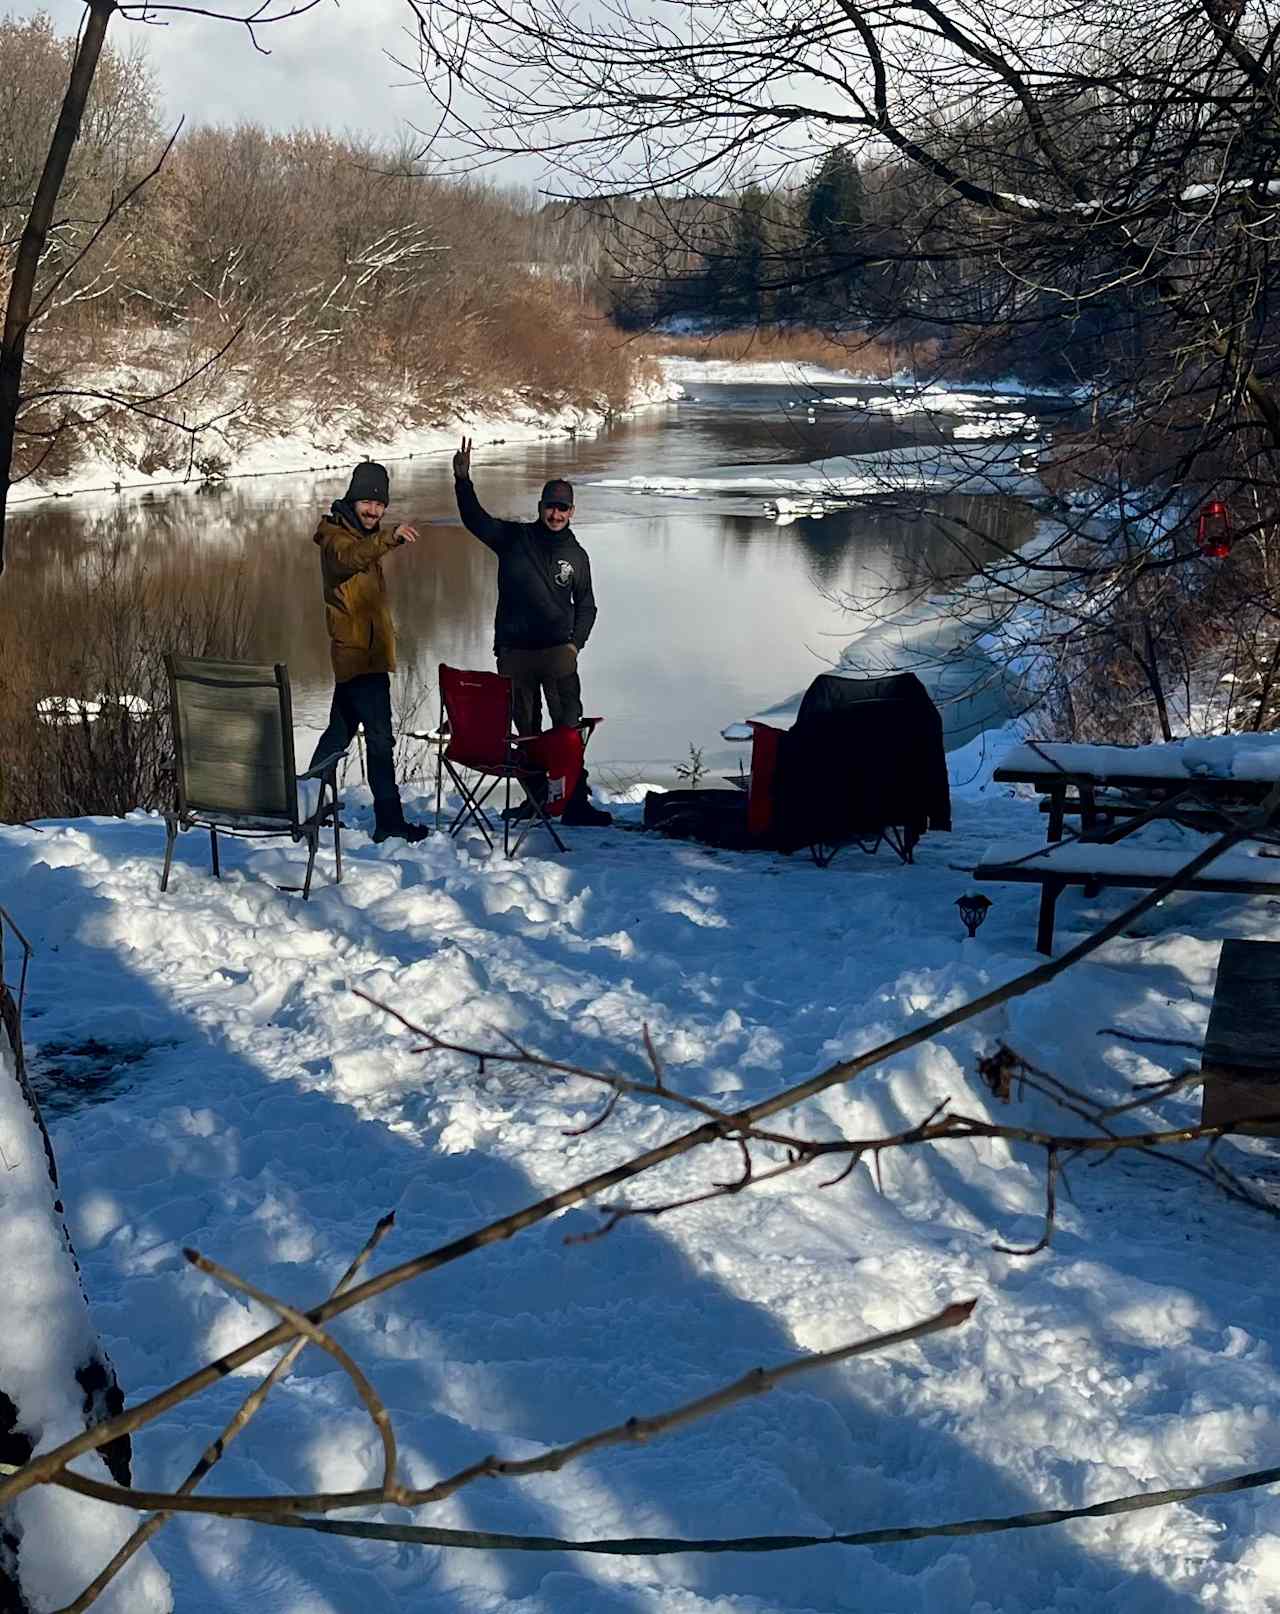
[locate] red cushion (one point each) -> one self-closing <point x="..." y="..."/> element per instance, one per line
<point x="559" y="753"/>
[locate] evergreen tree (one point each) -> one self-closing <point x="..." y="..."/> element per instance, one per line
<point x="835" y="208"/>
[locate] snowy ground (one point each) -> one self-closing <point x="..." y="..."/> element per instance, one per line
<point x="249" y="1104"/>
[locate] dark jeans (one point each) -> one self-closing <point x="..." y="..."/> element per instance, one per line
<point x="365" y="702"/>
<point x="552" y="674"/>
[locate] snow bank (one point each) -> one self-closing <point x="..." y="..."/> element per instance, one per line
<point x="315" y="447"/>
<point x="46" y="1340"/>
<point x="754" y="372"/>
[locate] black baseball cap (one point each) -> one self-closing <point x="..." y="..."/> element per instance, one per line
<point x="557" y="491"/>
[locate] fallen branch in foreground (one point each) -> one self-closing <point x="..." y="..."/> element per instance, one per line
<point x="48" y="1465"/>
<point x="660" y="1546"/>
<point x="212" y="1453"/>
<point x="634" y="1431"/>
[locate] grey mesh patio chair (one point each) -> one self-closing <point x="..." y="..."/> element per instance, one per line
<point x="233" y="760"/>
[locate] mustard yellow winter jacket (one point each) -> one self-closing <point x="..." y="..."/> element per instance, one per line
<point x="362" y="636"/>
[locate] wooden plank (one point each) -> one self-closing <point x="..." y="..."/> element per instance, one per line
<point x="1210" y="784"/>
<point x="1242" y="1048"/>
<point x="1042" y="872"/>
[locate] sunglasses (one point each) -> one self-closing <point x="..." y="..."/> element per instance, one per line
<point x="557" y="504"/>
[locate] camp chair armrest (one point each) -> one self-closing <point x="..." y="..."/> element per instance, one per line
<point x="326" y="765"/>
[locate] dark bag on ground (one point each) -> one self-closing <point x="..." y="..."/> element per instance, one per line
<point x="714" y="817"/>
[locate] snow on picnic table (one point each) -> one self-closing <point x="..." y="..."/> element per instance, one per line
<point x="1251" y="757"/>
<point x="274" y="1116"/>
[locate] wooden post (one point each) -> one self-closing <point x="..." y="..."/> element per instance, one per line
<point x="1241" y="1059"/>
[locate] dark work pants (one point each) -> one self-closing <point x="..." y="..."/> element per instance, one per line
<point x="537" y="673"/>
<point x="544" y="674"/>
<point x="365" y="702"/>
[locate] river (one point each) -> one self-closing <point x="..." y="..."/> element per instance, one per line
<point x="711" y="608"/>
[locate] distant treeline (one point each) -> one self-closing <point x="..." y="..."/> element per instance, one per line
<point x="266" y="268"/>
<point x="870" y="253"/>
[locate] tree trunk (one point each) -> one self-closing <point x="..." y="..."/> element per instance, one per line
<point x="35" y="236"/>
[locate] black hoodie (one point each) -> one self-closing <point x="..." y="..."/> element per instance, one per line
<point x="544" y="579"/>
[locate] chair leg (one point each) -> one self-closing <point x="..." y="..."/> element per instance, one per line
<point x="170" y="836"/>
<point x="472" y="806"/>
<point x="337" y="845"/>
<point x="540" y="816"/>
<point x="213" y="852"/>
<point x="901" y="840"/>
<point x="313" y="843"/>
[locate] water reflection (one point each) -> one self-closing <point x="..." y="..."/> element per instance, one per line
<point x="708" y="608"/>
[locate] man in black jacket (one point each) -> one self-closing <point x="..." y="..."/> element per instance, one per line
<point x="546" y="610"/>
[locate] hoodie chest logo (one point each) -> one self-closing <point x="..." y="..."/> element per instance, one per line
<point x="564" y="573"/>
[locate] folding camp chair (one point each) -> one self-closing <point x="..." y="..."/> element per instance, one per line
<point x="475" y="736"/>
<point x="863" y="765"/>
<point x="233" y="760"/>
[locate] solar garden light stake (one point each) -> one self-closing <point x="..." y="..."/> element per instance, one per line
<point x="973" y="910"/>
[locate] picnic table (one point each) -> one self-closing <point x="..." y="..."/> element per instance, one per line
<point x="1117" y="790"/>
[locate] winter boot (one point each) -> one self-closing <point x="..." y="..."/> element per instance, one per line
<point x="536" y="784"/>
<point x="578" y="810"/>
<point x="389" y="823"/>
<point x="403" y="831"/>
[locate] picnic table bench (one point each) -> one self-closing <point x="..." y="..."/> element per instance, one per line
<point x="1116" y="791"/>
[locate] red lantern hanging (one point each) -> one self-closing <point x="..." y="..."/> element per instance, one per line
<point x="1213" y="530"/>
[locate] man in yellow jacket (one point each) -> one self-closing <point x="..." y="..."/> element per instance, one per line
<point x="362" y="638"/>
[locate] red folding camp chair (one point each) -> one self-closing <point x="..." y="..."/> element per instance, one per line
<point x="475" y="737"/>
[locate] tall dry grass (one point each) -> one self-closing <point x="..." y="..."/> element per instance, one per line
<point x="96" y="631"/>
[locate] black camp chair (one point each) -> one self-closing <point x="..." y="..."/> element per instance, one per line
<point x="863" y="765"/>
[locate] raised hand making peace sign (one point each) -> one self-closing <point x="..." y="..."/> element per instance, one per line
<point x="462" y="460"/>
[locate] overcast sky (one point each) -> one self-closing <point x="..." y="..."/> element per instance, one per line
<point x="327" y="69"/>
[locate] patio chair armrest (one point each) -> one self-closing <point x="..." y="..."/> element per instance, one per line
<point x="587" y="723"/>
<point x="326" y="765"/>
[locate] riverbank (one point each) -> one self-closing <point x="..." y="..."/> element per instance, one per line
<point x="235" y="446"/>
<point x="236" y="452"/>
